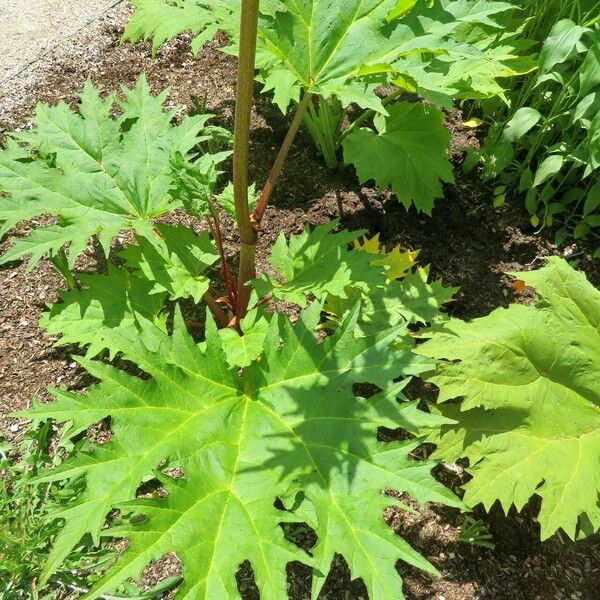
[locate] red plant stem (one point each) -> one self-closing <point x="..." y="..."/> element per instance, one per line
<point x="215" y="230"/>
<point x="219" y="314"/>
<point x="277" y="167"/>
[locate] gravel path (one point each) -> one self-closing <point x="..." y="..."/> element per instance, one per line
<point x="29" y="29"/>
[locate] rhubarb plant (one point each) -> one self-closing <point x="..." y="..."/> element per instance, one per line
<point x="529" y="419"/>
<point x="247" y="420"/>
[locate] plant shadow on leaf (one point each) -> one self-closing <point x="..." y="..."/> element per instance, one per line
<point x="289" y="424"/>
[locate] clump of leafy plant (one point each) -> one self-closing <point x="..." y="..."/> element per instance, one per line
<point x="24" y="537"/>
<point x="529" y="421"/>
<point x="542" y="15"/>
<point x="547" y="145"/>
<point x="331" y="58"/>
<point x="27" y="532"/>
<point x="260" y="418"/>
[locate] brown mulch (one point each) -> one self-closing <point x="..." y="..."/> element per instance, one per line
<point x="466" y="242"/>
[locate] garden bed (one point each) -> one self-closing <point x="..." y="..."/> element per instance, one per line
<point x="468" y="243"/>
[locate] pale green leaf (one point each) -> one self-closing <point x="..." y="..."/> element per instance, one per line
<point x="530" y="419"/>
<point x="523" y="120"/>
<point x="549" y="167"/>
<point x="411" y="300"/>
<point x="560" y="44"/>
<point x="113" y="301"/>
<point x="97" y="173"/>
<point x="160" y="21"/>
<point x="285" y="86"/>
<point x="346" y="49"/>
<point x="174" y="260"/>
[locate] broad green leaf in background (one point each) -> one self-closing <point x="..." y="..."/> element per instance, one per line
<point x="162" y="20"/>
<point x="560" y="44"/>
<point x="322" y="44"/>
<point x="408" y="154"/>
<point x="289" y="427"/>
<point x="521" y="122"/>
<point x="345" y="49"/>
<point x="468" y="54"/>
<point x="548" y="167"/>
<point x="318" y="262"/>
<point x="96" y="173"/>
<point x="113" y="301"/>
<point x="530" y="419"/>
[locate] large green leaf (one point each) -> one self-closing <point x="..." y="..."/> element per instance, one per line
<point x="113" y="301"/>
<point x="318" y="263"/>
<point x="162" y="20"/>
<point x="408" y="153"/>
<point x="97" y="173"/>
<point x="346" y="48"/>
<point x="530" y="419"/>
<point x="324" y="45"/>
<point x="288" y="427"/>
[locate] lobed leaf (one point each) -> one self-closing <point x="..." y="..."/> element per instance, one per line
<point x="174" y="260"/>
<point x="114" y="301"/>
<point x="530" y="419"/>
<point x="97" y="173"/>
<point x="320" y="46"/>
<point x="289" y="427"/>
<point x="406" y="298"/>
<point x="408" y="153"/>
<point x="319" y="263"/>
<point x="398" y="262"/>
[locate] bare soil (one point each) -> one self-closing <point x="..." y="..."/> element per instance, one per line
<point x="467" y="243"/>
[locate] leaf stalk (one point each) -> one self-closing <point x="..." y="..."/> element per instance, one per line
<point x="277" y="167"/>
<point x="243" y="110"/>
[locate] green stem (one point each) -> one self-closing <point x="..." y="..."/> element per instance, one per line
<point x="312" y="122"/>
<point x="243" y="109"/>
